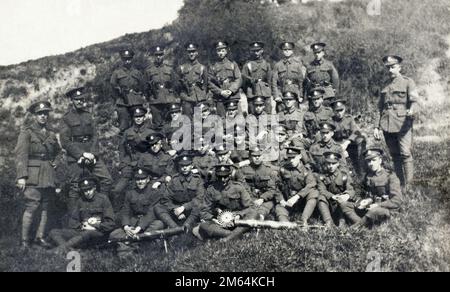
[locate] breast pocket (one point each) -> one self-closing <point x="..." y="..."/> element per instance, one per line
<point x="33" y="173"/>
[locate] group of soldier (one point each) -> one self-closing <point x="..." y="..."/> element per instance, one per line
<point x="321" y="165"/>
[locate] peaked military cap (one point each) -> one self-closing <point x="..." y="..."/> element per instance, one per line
<point x="154" y="138"/>
<point x="256" y="46"/>
<point x="293" y="151"/>
<point x="318" y="47"/>
<point x="223" y="170"/>
<point x="184" y="159"/>
<point x="191" y="47"/>
<point x="76" y="93"/>
<point x="126" y="53"/>
<point x="40" y="106"/>
<point x="174" y="108"/>
<point x="287" y="46"/>
<point x="139" y="112"/>
<point x="232" y="104"/>
<point x="327" y="127"/>
<point x="88" y="182"/>
<point x="159" y="50"/>
<point x="338" y="104"/>
<point x="316" y="93"/>
<point x="332" y="157"/>
<point x="141" y="173"/>
<point x="372" y="152"/>
<point x="221" y="45"/>
<point x="392" y="60"/>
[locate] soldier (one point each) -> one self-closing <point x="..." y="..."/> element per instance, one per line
<point x="134" y="143"/>
<point x="160" y="83"/>
<point x="275" y="152"/>
<point x="138" y="214"/>
<point x="322" y="73"/>
<point x="36" y="150"/>
<point x="291" y="115"/>
<point x="348" y="134"/>
<point x="317" y="114"/>
<point x="123" y="80"/>
<point x="185" y="192"/>
<point x="193" y="80"/>
<point x="335" y="187"/>
<point x="256" y="71"/>
<point x="224" y="78"/>
<point x="224" y="195"/>
<point x="326" y="144"/>
<point x="204" y="159"/>
<point x="397" y="107"/>
<point x="156" y="160"/>
<point x="92" y="219"/>
<point x="297" y="183"/>
<point x="79" y="138"/>
<point x="240" y="154"/>
<point x="288" y="71"/>
<point x="261" y="179"/>
<point x="382" y="193"/>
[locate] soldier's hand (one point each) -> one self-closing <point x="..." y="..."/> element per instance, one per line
<point x="377" y="134"/>
<point x="283" y="203"/>
<point x="373" y="206"/>
<point x="156" y="185"/>
<point x="178" y="211"/>
<point x="226" y="93"/>
<point x="168" y="179"/>
<point x="22" y="184"/>
<point x="172" y="152"/>
<point x="258" y="202"/>
<point x="128" y="231"/>
<point x="89" y="156"/>
<point x="292" y="201"/>
<point x="137" y="230"/>
<point x="345" y="145"/>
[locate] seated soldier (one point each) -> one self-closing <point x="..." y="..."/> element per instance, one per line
<point x="91" y="220"/>
<point x="204" y="158"/>
<point x="181" y="204"/>
<point x="133" y="145"/>
<point x="260" y="178"/>
<point x="335" y="186"/>
<point x="326" y="144"/>
<point x="156" y="160"/>
<point x="382" y="193"/>
<point x="240" y="154"/>
<point x="348" y="134"/>
<point x="138" y="214"/>
<point x="275" y="153"/>
<point x="221" y="196"/>
<point x="297" y="184"/>
<point x="317" y="114"/>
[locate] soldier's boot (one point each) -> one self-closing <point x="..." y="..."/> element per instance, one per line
<point x="236" y="233"/>
<point x="308" y="210"/>
<point x="324" y="211"/>
<point x="398" y="168"/>
<point x="71" y="243"/>
<point x="211" y="230"/>
<point x="40" y="235"/>
<point x="408" y="169"/>
<point x="27" y="221"/>
<point x="167" y="219"/>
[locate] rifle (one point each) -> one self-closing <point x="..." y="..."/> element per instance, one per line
<point x="151" y="235"/>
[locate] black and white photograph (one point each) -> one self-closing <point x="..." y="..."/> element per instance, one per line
<point x="224" y="136"/>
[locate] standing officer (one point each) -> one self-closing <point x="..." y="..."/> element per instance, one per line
<point x="335" y="188"/>
<point x="92" y="219"/>
<point x="382" y="193"/>
<point x="79" y="138"/>
<point x="193" y="80"/>
<point x="322" y="73"/>
<point x="297" y="183"/>
<point x="160" y="85"/>
<point x="224" y="195"/>
<point x="288" y="71"/>
<point x="138" y="213"/>
<point x="318" y="113"/>
<point x="224" y="78"/>
<point x="123" y="80"/>
<point x="257" y="71"/>
<point x="36" y="151"/>
<point x="261" y="179"/>
<point x="397" y="108"/>
<point x="348" y="134"/>
<point x="185" y="192"/>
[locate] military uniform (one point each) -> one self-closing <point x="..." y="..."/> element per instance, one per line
<point x="160" y="164"/>
<point x="36" y="150"/>
<point x="123" y="80"/>
<point x="138" y="210"/>
<point x="224" y="75"/>
<point x="261" y="181"/>
<point x="182" y="191"/>
<point x="78" y="135"/>
<point x="296" y="181"/>
<point x="231" y="196"/>
<point x="331" y="184"/>
<point x="318" y="149"/>
<point x="314" y="117"/>
<point x="290" y="71"/>
<point x="322" y="74"/>
<point x="348" y="130"/>
<point x="98" y="208"/>
<point x="396" y="99"/>
<point x="194" y="83"/>
<point x="382" y="188"/>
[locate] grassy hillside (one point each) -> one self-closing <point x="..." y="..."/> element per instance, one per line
<point x="417" y="239"/>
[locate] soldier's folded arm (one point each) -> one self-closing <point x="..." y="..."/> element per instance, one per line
<point x="311" y="184"/>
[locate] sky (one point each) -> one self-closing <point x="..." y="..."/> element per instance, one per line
<point x="31" y="29"/>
